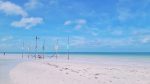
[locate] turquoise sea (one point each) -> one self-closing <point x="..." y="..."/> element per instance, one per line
<point x="97" y="54"/>
<point x="143" y="56"/>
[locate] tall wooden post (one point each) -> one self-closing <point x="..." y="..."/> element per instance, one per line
<point x="36" y="46"/>
<point x="56" y="49"/>
<point x="28" y="52"/>
<point x="43" y="47"/>
<point x="22" y="49"/>
<point x="68" y="45"/>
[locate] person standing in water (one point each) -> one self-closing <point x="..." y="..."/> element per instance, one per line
<point x="4" y="53"/>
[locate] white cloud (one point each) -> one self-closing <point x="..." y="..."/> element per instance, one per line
<point x="81" y="41"/>
<point x="93" y="31"/>
<point x="78" y="26"/>
<point x="140" y="31"/>
<point x="68" y="22"/>
<point x="12" y="9"/>
<point x="113" y="43"/>
<point x="126" y="9"/>
<point x="79" y="23"/>
<point x="5" y="47"/>
<point x="6" y="38"/>
<point x="27" y="22"/>
<point x="117" y="31"/>
<point x="77" y="41"/>
<point x="32" y="4"/>
<point x="146" y="39"/>
<point x="124" y="14"/>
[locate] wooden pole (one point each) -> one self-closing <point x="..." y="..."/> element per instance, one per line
<point x="68" y="47"/>
<point x="36" y="46"/>
<point x="22" y="49"/>
<point x="43" y="48"/>
<point x="56" y="48"/>
<point x="28" y="52"/>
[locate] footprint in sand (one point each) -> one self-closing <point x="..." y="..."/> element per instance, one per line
<point x="66" y="68"/>
<point x="96" y="77"/>
<point x="60" y="70"/>
<point x="74" y="71"/>
<point x="96" y="74"/>
<point x="56" y="66"/>
<point x="67" y="73"/>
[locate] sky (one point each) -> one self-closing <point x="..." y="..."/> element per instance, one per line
<point x="92" y="25"/>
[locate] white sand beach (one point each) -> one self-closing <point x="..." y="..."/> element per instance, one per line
<point x="73" y="72"/>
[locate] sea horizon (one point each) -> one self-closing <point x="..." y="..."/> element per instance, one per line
<point x="96" y="53"/>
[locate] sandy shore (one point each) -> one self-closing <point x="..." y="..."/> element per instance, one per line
<point x="46" y="72"/>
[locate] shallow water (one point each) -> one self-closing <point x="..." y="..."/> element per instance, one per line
<point x="5" y="66"/>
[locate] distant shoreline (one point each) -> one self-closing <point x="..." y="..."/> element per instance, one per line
<point x="93" y="53"/>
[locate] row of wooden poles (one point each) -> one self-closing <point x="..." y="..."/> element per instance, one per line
<point x="36" y="54"/>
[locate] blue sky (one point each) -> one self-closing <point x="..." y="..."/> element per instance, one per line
<point x="93" y="25"/>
